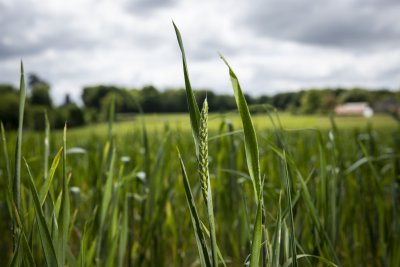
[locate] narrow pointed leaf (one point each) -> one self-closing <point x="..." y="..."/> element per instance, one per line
<point x="257" y="235"/>
<point x="46" y="145"/>
<point x="290" y="208"/>
<point x="6" y="157"/>
<point x="313" y="214"/>
<point x="46" y="187"/>
<point x="64" y="214"/>
<point x="17" y="170"/>
<point x="47" y="244"/>
<point x="194" y="111"/>
<point x="200" y="240"/>
<point x="107" y="189"/>
<point x="327" y="262"/>
<point x="123" y="238"/>
<point x="27" y="250"/>
<point x="250" y="137"/>
<point x="278" y="236"/>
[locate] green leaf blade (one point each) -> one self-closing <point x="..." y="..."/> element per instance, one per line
<point x="250" y="137"/>
<point x="47" y="243"/>
<point x="194" y="111"/>
<point x="257" y="236"/>
<point x="64" y="214"/>
<point x="200" y="240"/>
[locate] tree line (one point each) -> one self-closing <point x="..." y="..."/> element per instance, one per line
<point x="96" y="100"/>
<point x="38" y="101"/>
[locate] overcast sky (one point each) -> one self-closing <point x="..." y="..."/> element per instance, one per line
<point x="273" y="45"/>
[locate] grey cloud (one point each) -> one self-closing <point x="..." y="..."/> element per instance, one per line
<point x="30" y="32"/>
<point x="209" y="47"/>
<point x="346" y="76"/>
<point x="60" y="41"/>
<point x="10" y="51"/>
<point x="143" y="7"/>
<point x="139" y="36"/>
<point x="336" y="23"/>
<point x="381" y="2"/>
<point x="392" y="74"/>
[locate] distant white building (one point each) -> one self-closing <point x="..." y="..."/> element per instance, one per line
<point x="355" y="109"/>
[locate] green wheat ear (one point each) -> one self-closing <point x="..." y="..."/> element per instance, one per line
<point x="203" y="145"/>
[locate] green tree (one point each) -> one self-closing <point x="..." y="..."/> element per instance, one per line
<point x="40" y="95"/>
<point x="128" y="102"/>
<point x="40" y="91"/>
<point x="67" y="99"/>
<point x="355" y="95"/>
<point x="310" y="102"/>
<point x="224" y="103"/>
<point x="173" y="100"/>
<point x="107" y="101"/>
<point x="150" y="99"/>
<point x="6" y="88"/>
<point x="71" y="114"/>
<point x="264" y="100"/>
<point x="328" y="102"/>
<point x="201" y="95"/>
<point x="93" y="95"/>
<point x="34" y="80"/>
<point x="9" y="103"/>
<point x="35" y="117"/>
<point x="282" y="101"/>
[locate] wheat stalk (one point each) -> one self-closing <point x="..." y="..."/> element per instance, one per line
<point x="203" y="145"/>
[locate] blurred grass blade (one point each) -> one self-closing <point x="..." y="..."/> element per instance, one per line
<point x="15" y="213"/>
<point x="111" y="117"/>
<point x="277" y="236"/>
<point x="82" y="251"/>
<point x="111" y="250"/>
<point x="105" y="202"/>
<point x="45" y="238"/>
<point x="200" y="240"/>
<point x="287" y="185"/>
<point x="47" y="184"/>
<point x="194" y="111"/>
<point x="46" y="145"/>
<point x="18" y="256"/>
<point x="27" y="250"/>
<point x="230" y="133"/>
<point x="321" y="259"/>
<point x="250" y="137"/>
<point x="257" y="235"/>
<point x="64" y="214"/>
<point x="323" y="199"/>
<point x="207" y="233"/>
<point x="107" y="189"/>
<point x="72" y="261"/>
<point x="123" y="238"/>
<point x="313" y="213"/>
<point x="6" y="157"/>
<point x="17" y="171"/>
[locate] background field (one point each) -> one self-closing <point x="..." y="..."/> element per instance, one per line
<point x="351" y="174"/>
<point x="157" y="122"/>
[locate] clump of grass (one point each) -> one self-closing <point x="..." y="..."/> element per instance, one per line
<point x="260" y="244"/>
<point x="201" y="143"/>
